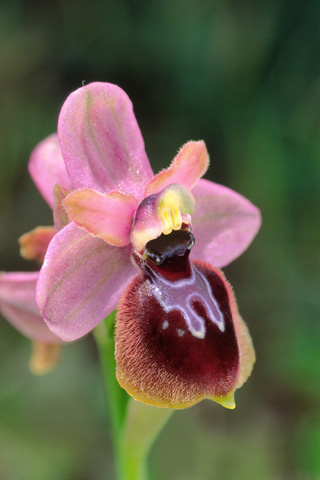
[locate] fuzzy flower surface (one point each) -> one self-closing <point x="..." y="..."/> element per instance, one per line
<point x="150" y="246"/>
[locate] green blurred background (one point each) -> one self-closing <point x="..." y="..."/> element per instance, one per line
<point x="244" y="76"/>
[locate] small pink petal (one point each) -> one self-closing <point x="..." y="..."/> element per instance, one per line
<point x="101" y="141"/>
<point x="34" y="244"/>
<point x="46" y="167"/>
<point x="81" y="281"/>
<point x="188" y="166"/>
<point x="224" y="223"/>
<point x="18" y="306"/>
<point x="108" y="216"/>
<point x="60" y="216"/>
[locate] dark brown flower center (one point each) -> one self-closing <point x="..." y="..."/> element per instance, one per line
<point x="167" y="246"/>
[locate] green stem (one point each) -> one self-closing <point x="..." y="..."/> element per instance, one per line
<point x="130" y="467"/>
<point x="134" y="424"/>
<point x="117" y="397"/>
<point x="143" y="424"/>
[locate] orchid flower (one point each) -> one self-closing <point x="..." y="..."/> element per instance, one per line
<point x="18" y="289"/>
<point x="150" y="246"/>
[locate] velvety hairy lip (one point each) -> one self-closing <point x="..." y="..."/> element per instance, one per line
<point x="173" y="354"/>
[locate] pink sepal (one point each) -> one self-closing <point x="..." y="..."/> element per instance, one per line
<point x="46" y="167"/>
<point x="81" y="281"/>
<point x="101" y="141"/>
<point x="224" y="223"/>
<point x="18" y="306"/>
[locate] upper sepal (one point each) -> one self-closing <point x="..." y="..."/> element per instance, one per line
<point x="101" y="142"/>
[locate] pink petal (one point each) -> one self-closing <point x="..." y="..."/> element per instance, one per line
<point x="81" y="281"/>
<point x="18" y="306"/>
<point x="60" y="216"/>
<point x="101" y="141"/>
<point x="188" y="166"/>
<point x="46" y="167"/>
<point x="34" y="244"/>
<point x="224" y="223"/>
<point x="108" y="216"/>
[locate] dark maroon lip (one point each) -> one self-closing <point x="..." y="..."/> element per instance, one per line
<point x="176" y="319"/>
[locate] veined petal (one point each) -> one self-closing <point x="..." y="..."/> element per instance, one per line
<point x="188" y="166"/>
<point x="81" y="281"/>
<point x="180" y="342"/>
<point x="161" y="213"/>
<point x="224" y="223"/>
<point x="34" y="244"/>
<point x="101" y="141"/>
<point x="108" y="216"/>
<point x="46" y="167"/>
<point x="18" y="305"/>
